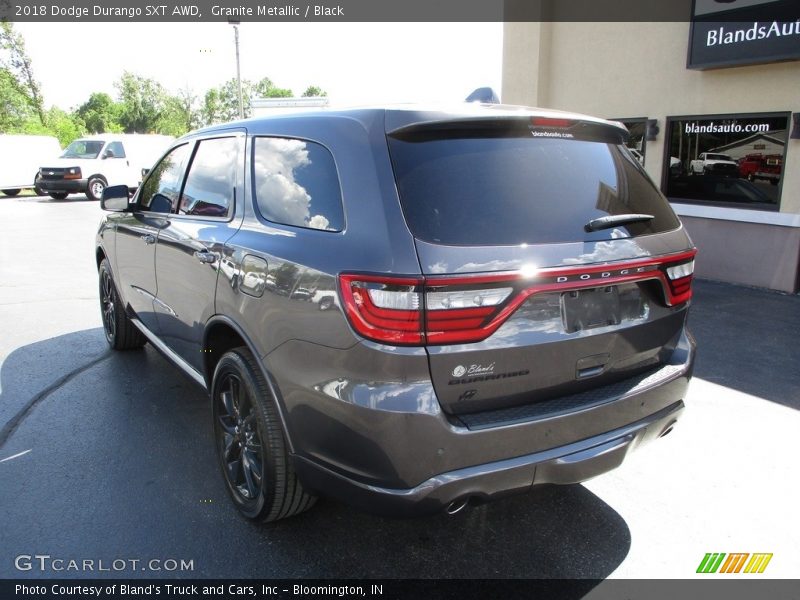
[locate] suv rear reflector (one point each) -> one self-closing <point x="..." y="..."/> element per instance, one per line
<point x="436" y="310"/>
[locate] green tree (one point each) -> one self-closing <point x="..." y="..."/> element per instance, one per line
<point x="314" y="91"/>
<point x="143" y="103"/>
<point x="15" y="108"/>
<point x="100" y="114"/>
<point x="180" y="114"/>
<point x="221" y="104"/>
<point x="15" y="60"/>
<point x="266" y="89"/>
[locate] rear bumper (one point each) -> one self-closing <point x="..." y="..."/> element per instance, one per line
<point x="404" y="464"/>
<point x="572" y="463"/>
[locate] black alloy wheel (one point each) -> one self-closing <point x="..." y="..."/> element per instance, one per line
<point x="250" y="443"/>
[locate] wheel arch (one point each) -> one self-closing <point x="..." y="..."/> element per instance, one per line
<point x="222" y="334"/>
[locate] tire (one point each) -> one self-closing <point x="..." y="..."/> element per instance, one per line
<point x="12" y="193"/>
<point x="95" y="187"/>
<point x="250" y="444"/>
<point x="58" y="195"/>
<point x="120" y="332"/>
<point x="37" y="185"/>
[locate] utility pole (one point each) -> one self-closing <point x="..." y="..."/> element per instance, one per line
<point x="238" y="67"/>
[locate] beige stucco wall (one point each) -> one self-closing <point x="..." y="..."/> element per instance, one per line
<point x="639" y="70"/>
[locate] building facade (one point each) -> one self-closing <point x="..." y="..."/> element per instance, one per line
<point x="715" y="132"/>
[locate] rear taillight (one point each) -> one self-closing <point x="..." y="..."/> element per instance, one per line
<point x="384" y="309"/>
<point x="456" y="310"/>
<point x="679" y="279"/>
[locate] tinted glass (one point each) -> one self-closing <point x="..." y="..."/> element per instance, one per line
<point x="160" y="191"/>
<point x="296" y="183"/>
<point x="83" y="149"/>
<point x="117" y="149"/>
<point x="515" y="190"/>
<point x="212" y="178"/>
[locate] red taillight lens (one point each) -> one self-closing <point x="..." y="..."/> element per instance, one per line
<point x="679" y="279"/>
<point x="457" y="310"/>
<point x="384" y="309"/>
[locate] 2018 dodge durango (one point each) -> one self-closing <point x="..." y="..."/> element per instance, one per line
<point x="407" y="308"/>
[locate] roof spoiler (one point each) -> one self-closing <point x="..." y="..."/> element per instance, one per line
<point x="514" y="126"/>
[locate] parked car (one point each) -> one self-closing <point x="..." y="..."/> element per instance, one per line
<point x="713" y="163"/>
<point x="511" y="288"/>
<point x="761" y="166"/>
<point x="90" y="164"/>
<point x="20" y="157"/>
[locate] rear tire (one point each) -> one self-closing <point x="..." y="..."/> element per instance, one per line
<point x="12" y="193"/>
<point x="121" y="333"/>
<point x="58" y="195"/>
<point x="250" y="444"/>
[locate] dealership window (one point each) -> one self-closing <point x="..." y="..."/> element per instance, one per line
<point x="726" y="160"/>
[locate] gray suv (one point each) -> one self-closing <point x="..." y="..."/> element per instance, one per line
<point x="404" y="308"/>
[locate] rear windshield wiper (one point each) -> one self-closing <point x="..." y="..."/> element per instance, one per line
<point x="614" y="220"/>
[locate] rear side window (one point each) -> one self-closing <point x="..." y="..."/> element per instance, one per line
<point x="160" y="191"/>
<point x="296" y="183"/>
<point x="212" y="177"/>
<point x="477" y="190"/>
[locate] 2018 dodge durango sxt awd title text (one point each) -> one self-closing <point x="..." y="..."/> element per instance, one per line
<point x="407" y="308"/>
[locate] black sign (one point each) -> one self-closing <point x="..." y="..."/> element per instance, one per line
<point x="739" y="32"/>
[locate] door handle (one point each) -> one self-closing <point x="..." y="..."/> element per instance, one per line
<point x="204" y="256"/>
<point x="148" y="238"/>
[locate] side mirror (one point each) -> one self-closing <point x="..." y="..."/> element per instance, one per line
<point x="115" y="198"/>
<point x="108" y="154"/>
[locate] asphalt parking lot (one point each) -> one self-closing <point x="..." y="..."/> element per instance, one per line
<point x="109" y="456"/>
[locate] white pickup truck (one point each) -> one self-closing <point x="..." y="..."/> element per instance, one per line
<point x="712" y="163"/>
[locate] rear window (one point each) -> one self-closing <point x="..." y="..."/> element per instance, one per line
<point x="475" y="190"/>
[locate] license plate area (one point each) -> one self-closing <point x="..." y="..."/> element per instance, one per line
<point x="591" y="308"/>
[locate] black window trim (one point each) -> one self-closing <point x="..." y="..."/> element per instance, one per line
<point x="252" y="181"/>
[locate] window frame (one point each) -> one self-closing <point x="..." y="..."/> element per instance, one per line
<point x="254" y="196"/>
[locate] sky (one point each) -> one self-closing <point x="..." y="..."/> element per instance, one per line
<point x="356" y="63"/>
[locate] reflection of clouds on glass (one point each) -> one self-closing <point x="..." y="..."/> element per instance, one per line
<point x="280" y="197"/>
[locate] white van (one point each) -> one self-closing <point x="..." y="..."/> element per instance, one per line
<point x="91" y="163"/>
<point x="20" y="159"/>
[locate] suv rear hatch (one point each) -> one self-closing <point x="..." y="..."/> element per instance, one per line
<point x="551" y="263"/>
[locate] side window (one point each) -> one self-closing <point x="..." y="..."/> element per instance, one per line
<point x="160" y="191"/>
<point x="212" y="177"/>
<point x="296" y="183"/>
<point x="115" y="150"/>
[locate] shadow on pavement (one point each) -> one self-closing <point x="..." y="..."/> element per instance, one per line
<point x="747" y="340"/>
<point x="119" y="462"/>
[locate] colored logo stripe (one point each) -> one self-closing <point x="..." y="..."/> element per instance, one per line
<point x="733" y="564"/>
<point x="758" y="563"/>
<point x="710" y="562"/>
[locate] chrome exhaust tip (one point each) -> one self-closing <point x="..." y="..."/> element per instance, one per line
<point x="456" y="506"/>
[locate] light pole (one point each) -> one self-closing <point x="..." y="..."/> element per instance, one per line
<point x="238" y="69"/>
